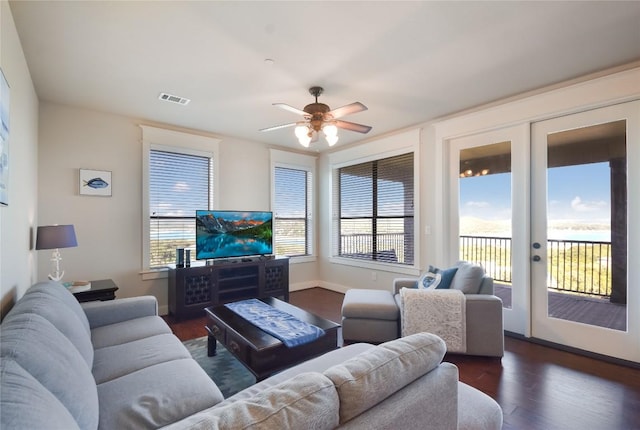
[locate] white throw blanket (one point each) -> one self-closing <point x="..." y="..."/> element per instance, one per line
<point x="441" y="312"/>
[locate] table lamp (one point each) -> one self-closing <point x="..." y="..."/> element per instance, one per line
<point x="56" y="237"/>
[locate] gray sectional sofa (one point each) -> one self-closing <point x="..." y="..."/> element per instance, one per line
<point x="116" y="365"/>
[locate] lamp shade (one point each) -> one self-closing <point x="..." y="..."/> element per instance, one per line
<point x="56" y="236"/>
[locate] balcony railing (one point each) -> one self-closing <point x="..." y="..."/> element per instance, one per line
<point x="390" y="247"/>
<point x="577" y="266"/>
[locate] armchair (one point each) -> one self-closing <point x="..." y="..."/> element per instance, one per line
<point x="376" y="316"/>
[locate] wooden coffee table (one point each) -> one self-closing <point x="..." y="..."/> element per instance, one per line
<point x="260" y="352"/>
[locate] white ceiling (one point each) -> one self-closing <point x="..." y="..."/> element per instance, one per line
<point x="409" y="62"/>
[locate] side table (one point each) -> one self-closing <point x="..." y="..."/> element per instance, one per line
<point x="103" y="289"/>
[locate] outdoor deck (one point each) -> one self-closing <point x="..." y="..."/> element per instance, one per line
<point x="589" y="310"/>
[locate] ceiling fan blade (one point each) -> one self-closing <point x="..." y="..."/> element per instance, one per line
<point x="353" y="126"/>
<point x="348" y="110"/>
<point x="290" y="108"/>
<point x="277" y="127"/>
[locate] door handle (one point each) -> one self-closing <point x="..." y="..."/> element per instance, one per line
<point x="536" y="245"/>
<point x="536" y="258"/>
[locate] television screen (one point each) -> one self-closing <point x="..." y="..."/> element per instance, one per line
<point x="224" y="234"/>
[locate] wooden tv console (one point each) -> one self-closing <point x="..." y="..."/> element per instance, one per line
<point x="192" y="289"/>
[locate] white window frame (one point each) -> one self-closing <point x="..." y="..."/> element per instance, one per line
<point x="390" y="146"/>
<point x="307" y="163"/>
<point x="172" y="141"/>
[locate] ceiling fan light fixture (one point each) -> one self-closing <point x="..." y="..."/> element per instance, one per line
<point x="319" y="117"/>
<point x="304" y="140"/>
<point x="301" y="131"/>
<point x="330" y="130"/>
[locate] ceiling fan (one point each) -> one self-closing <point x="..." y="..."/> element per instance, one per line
<point x="319" y="117"/>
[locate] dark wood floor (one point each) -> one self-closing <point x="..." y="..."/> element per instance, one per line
<point x="537" y="387"/>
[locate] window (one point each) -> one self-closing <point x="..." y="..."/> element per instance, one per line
<point x="179" y="184"/>
<point x="292" y="211"/>
<point x="292" y="197"/>
<point x="376" y="210"/>
<point x="178" y="178"/>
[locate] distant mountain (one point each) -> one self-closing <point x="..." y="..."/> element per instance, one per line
<point x="470" y="226"/>
<point x="242" y="227"/>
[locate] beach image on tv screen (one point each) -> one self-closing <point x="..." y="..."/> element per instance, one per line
<point x="224" y="234"/>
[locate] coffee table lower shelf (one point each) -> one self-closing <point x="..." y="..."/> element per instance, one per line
<point x="260" y="352"/>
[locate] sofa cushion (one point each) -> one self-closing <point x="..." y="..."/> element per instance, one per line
<point x="308" y="401"/>
<point x="156" y="396"/>
<point x="128" y="331"/>
<point x="41" y="350"/>
<point x="370" y="377"/>
<point x="26" y="404"/>
<point x="59" y="291"/>
<point x="56" y="311"/>
<point x="468" y="278"/>
<point x="118" y="360"/>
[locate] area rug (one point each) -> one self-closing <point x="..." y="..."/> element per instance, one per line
<point x="225" y="370"/>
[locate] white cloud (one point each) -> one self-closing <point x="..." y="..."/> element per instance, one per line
<point x="478" y="204"/>
<point x="591" y="206"/>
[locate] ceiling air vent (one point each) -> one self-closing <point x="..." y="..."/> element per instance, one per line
<point x="174" y="99"/>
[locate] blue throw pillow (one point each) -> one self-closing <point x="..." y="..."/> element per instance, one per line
<point x="446" y="276"/>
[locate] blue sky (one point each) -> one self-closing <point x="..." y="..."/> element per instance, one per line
<point x="579" y="193"/>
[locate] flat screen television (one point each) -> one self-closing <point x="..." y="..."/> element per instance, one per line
<point x="228" y="234"/>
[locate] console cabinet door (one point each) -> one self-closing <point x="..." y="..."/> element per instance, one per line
<point x="191" y="290"/>
<point x="275" y="279"/>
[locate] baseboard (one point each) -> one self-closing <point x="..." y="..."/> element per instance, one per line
<point x="319" y="284"/>
<point x="334" y="287"/>
<point x="298" y="286"/>
<point x="578" y="351"/>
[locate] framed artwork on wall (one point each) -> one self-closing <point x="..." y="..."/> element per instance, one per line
<point x="95" y="183"/>
<point x="4" y="140"/>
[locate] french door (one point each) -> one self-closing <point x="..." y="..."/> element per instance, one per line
<point x="490" y="195"/>
<point x="585" y="244"/>
<point x="548" y="210"/>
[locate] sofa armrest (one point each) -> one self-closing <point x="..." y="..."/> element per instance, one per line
<point x="485" y="332"/>
<point x="430" y="401"/>
<point x="486" y="286"/>
<point x="118" y="310"/>
<point x="400" y="283"/>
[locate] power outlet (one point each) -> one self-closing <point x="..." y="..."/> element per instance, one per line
<point x="374" y="276"/>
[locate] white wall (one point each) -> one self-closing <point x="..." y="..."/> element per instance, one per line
<point x="109" y="229"/>
<point x="44" y="189"/>
<point x="432" y="225"/>
<point x="18" y="220"/>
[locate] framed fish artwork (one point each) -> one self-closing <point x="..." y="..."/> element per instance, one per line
<point x="95" y="183"/>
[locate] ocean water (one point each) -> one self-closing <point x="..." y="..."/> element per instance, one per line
<point x="587" y="235"/>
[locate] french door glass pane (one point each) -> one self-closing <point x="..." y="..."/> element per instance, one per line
<point x="485" y="212"/>
<point x="587" y="225"/>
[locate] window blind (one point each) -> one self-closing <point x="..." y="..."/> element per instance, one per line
<point x="292" y="211"/>
<point x="179" y="184"/>
<point x="376" y="210"/>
